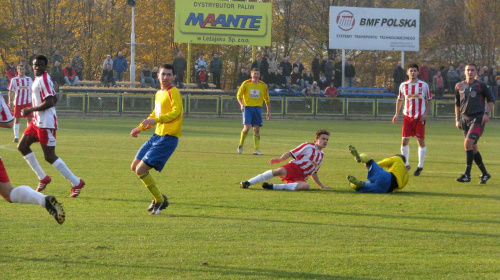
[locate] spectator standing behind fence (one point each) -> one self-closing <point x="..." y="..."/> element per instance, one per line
<point x="202" y="78"/>
<point x="438" y="84"/>
<point x="107" y="60"/>
<point x="146" y="77"/>
<point x="308" y="78"/>
<point x="70" y="76"/>
<point x="350" y="72"/>
<point x="399" y="76"/>
<point x="78" y="65"/>
<point x="216" y="70"/>
<point x="200" y="62"/>
<point x="57" y="57"/>
<point x="280" y="80"/>
<point x="154" y="75"/>
<point x="286" y="68"/>
<point x="299" y="65"/>
<point x="108" y="76"/>
<point x="180" y="66"/>
<point x="257" y="62"/>
<point x="338" y="72"/>
<point x="316" y="67"/>
<point x="322" y="65"/>
<point x="329" y="70"/>
<point x="323" y="82"/>
<point x="243" y="76"/>
<point x="270" y="80"/>
<point x="424" y="73"/>
<point x="56" y="73"/>
<point x="272" y="63"/>
<point x="264" y="67"/>
<point x="452" y="78"/>
<point x="120" y="65"/>
<point x="11" y="71"/>
<point x="297" y="81"/>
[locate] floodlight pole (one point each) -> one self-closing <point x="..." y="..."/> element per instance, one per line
<point x="132" y="47"/>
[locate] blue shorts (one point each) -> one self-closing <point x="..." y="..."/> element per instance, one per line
<point x="252" y="116"/>
<point x="157" y="150"/>
<point x="379" y="180"/>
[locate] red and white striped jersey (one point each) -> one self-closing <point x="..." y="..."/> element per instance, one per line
<point x="416" y="96"/>
<point x="308" y="158"/>
<point x="22" y="90"/>
<point x="41" y="89"/>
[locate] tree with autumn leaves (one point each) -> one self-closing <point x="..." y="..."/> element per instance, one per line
<point x="451" y="31"/>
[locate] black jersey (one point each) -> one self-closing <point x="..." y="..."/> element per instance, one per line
<point x="471" y="97"/>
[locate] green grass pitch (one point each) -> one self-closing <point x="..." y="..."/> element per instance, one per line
<point x="435" y="228"/>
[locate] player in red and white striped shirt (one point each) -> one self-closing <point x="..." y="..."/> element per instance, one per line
<point x="417" y="99"/>
<point x="307" y="161"/>
<point x="20" y="97"/>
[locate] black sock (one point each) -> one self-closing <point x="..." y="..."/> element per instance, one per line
<point x="478" y="159"/>
<point x="369" y="163"/>
<point x="470" y="157"/>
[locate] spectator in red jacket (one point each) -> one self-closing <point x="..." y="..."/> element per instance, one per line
<point x="70" y="76"/>
<point x="331" y="91"/>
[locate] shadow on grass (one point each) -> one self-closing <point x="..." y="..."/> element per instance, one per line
<point x="412" y="230"/>
<point x="228" y="271"/>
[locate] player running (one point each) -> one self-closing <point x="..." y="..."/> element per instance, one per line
<point x="167" y="115"/>
<point x="43" y="129"/>
<point x="307" y="159"/>
<point x="20" y="97"/>
<point x="24" y="194"/>
<point x="418" y="100"/>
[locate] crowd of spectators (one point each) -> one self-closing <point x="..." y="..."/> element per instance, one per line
<point x="321" y="77"/>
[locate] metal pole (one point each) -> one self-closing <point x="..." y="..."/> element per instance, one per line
<point x="188" y="80"/>
<point x="343" y="68"/>
<point x="403" y="59"/>
<point x="132" y="48"/>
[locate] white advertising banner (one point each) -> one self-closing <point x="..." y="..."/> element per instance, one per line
<point x="374" y="29"/>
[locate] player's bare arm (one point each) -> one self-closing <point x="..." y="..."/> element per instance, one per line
<point x="423" y="118"/>
<point x="135" y="132"/>
<point x="486" y="115"/>
<point x="457" y="118"/>
<point x="398" y="108"/>
<point x="284" y="157"/>
<point x="318" y="182"/>
<point x="48" y="102"/>
<point x="268" y="107"/>
<point x="242" y="105"/>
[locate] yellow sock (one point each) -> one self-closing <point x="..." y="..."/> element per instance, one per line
<point x="150" y="183"/>
<point x="242" y="138"/>
<point x="256" y="140"/>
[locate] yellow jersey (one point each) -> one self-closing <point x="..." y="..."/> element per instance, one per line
<point x="168" y="112"/>
<point x="396" y="166"/>
<point x="253" y="94"/>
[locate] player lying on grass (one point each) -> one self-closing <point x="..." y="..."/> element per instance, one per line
<point x="386" y="176"/>
<point x="307" y="159"/>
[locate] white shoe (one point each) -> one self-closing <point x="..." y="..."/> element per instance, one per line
<point x="240" y="149"/>
<point x="258" y="153"/>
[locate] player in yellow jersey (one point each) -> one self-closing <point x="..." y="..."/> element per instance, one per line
<point x="251" y="95"/>
<point x="386" y="176"/>
<point x="167" y="115"/>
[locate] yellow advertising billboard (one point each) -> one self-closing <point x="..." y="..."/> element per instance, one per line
<point x="223" y="22"/>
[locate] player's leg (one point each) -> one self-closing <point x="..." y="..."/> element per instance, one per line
<point x="379" y="180"/>
<point x="472" y="131"/>
<point x="256" y="124"/>
<point x="422" y="151"/>
<point x="478" y="159"/>
<point x="24" y="147"/>
<point x="49" y="152"/>
<point x="405" y="149"/>
<point x="247" y="122"/>
<point x="16" y="129"/>
<point x="267" y="175"/>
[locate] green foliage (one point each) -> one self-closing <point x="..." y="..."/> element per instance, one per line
<point x="435" y="228"/>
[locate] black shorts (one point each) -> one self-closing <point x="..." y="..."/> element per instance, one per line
<point x="472" y="127"/>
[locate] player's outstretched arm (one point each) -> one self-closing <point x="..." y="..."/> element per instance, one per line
<point x="284" y="157"/>
<point x="135" y="132"/>
<point x="318" y="182"/>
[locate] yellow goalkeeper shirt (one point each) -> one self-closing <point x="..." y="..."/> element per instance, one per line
<point x="168" y="112"/>
<point x="396" y="166"/>
<point x="253" y="94"/>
